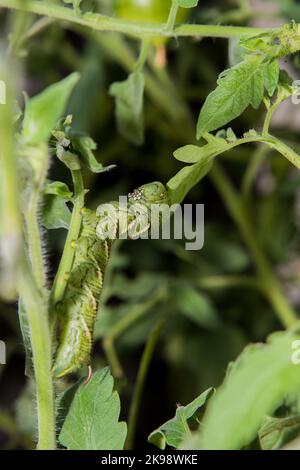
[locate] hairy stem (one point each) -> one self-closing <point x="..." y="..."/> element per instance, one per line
<point x="37" y="315"/>
<point x="31" y="215"/>
<point x="140" y="384"/>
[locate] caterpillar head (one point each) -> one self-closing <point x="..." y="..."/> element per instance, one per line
<point x="151" y="193"/>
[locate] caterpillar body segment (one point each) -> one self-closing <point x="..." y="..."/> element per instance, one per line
<point x="78" y="309"/>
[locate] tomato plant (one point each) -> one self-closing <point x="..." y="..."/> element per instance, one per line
<point x="115" y="278"/>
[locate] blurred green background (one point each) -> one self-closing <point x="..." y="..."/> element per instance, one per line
<point x="210" y="306"/>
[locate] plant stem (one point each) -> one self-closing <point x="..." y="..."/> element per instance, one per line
<point x="172" y="16"/>
<point x="140" y="384"/>
<point x="67" y="258"/>
<point x="271" y="286"/>
<point x="279" y="302"/>
<point x="225" y="282"/>
<point x="19" y="23"/>
<point x="141" y="30"/>
<point x="120" y="327"/>
<point x="143" y="55"/>
<point x="31" y="215"/>
<point x="37" y="27"/>
<point x="37" y="314"/>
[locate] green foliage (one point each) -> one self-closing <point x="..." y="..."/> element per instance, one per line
<point x="238" y="87"/>
<point x="256" y="385"/>
<point x="92" y="422"/>
<point x="129" y="97"/>
<point x="189" y="176"/>
<point x="194" y="305"/>
<point x="76" y="150"/>
<point x="275" y="432"/>
<point x="43" y="111"/>
<point x="176" y="430"/>
<point x="56" y="213"/>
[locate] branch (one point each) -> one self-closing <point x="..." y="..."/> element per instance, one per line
<point x="100" y="22"/>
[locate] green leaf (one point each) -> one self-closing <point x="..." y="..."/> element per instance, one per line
<point x="272" y="77"/>
<point x="186" y="179"/>
<point x="189" y="176"/>
<point x="69" y="159"/>
<point x="129" y="97"/>
<point x="188" y="3"/>
<point x="194" y="305"/>
<point x="56" y="213"/>
<point x="275" y="432"/>
<point x="236" y="53"/>
<point x="43" y="111"/>
<point x="73" y="148"/>
<point x="238" y="87"/>
<point x="176" y="430"/>
<point x="195" y="153"/>
<point x="93" y="419"/>
<point x="255" y="386"/>
<point x="285" y="86"/>
<point x="190" y="154"/>
<point x="84" y="147"/>
<point x="133" y="289"/>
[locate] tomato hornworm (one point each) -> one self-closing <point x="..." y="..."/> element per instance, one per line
<point x="77" y="311"/>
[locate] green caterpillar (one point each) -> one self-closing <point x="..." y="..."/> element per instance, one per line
<point x="78" y="309"/>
